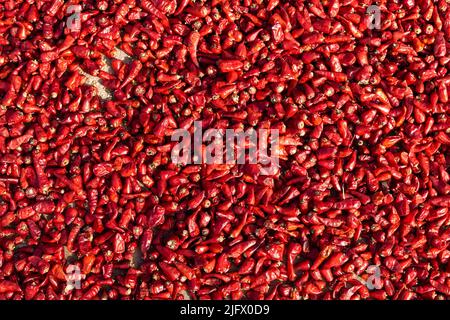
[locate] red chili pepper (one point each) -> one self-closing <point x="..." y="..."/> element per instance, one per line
<point x="347" y="204"/>
<point x="150" y="8"/>
<point x="55" y="7"/>
<point x="294" y="250"/>
<point x="8" y="286"/>
<point x="362" y="123"/>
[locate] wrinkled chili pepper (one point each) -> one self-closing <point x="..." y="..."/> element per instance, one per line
<point x="358" y="205"/>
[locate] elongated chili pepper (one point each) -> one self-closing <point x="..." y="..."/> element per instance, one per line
<point x="148" y="6"/>
<point x="192" y="44"/>
<point x="135" y="68"/>
<point x="294" y="250"/>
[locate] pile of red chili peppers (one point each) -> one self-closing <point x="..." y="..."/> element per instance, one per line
<point x="88" y="184"/>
